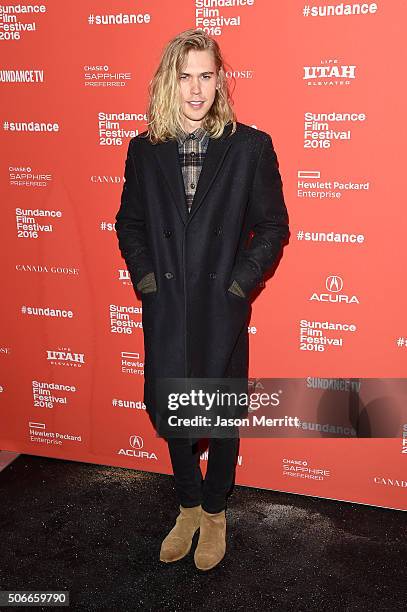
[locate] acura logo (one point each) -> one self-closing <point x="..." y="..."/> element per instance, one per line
<point x="136" y="441"/>
<point x="334" y="284"/>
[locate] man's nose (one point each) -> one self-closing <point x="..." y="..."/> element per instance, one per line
<point x="195" y="86"/>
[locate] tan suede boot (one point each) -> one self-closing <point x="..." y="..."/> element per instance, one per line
<point x="178" y="542"/>
<point x="211" y="546"/>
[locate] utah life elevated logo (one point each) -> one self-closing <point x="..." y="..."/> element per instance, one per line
<point x="334" y="286"/>
<point x="64" y="356"/>
<point x="329" y="72"/>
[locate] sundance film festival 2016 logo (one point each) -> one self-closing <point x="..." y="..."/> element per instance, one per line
<point x="29" y="221"/>
<point x="404" y="440"/>
<point x="314" y="334"/>
<point x="320" y="129"/>
<point x="110" y="130"/>
<point x="212" y="20"/>
<point x="14" y="20"/>
<point x="48" y="394"/>
<point x="124" y="319"/>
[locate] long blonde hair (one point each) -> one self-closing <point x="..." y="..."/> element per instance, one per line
<point x="164" y="115"/>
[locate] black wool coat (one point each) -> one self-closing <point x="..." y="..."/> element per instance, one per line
<point x="193" y="325"/>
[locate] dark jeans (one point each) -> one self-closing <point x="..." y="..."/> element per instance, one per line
<point x="191" y="488"/>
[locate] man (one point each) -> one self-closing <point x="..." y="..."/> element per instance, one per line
<point x="186" y="245"/>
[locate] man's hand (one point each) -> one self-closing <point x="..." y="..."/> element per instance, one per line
<point x="268" y="221"/>
<point x="130" y="223"/>
<point x="147" y="284"/>
<point x="236" y="288"/>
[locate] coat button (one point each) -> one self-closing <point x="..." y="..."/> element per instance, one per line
<point x="167" y="233"/>
<point x="212" y="275"/>
<point x="168" y="275"/>
<point x="217" y="231"/>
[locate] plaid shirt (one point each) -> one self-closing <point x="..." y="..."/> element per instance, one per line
<point x="191" y="150"/>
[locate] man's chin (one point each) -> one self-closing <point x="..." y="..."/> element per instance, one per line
<point x="199" y="118"/>
<point x="195" y="116"/>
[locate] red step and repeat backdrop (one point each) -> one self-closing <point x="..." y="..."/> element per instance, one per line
<point x="326" y="81"/>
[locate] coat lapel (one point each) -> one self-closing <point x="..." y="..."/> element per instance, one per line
<point x="167" y="156"/>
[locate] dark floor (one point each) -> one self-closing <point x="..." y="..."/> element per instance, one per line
<point x="96" y="531"/>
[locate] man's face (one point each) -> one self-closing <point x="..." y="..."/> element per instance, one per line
<point x="197" y="83"/>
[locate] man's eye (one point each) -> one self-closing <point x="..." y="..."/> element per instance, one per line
<point x="185" y="76"/>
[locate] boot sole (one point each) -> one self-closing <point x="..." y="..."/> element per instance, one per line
<point x="205" y="569"/>
<point x="177" y="558"/>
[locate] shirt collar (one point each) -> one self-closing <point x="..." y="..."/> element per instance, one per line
<point x="200" y="134"/>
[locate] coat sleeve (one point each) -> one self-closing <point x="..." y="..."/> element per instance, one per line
<point x="130" y="224"/>
<point x="268" y="221"/>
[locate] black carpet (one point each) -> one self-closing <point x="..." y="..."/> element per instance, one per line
<point x="96" y="532"/>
